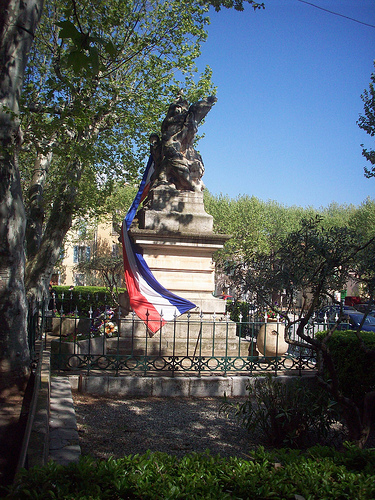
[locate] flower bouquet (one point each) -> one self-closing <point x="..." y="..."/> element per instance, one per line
<point x="103" y="323"/>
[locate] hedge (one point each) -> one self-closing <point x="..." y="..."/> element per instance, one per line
<point x="355" y="368"/>
<point x="319" y="473"/>
<point x="82" y="298"/>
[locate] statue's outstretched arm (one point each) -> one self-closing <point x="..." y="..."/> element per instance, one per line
<point x="201" y="108"/>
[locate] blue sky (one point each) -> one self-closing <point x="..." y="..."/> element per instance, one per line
<point x="289" y="83"/>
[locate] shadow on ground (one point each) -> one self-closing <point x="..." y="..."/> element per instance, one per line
<point x="112" y="427"/>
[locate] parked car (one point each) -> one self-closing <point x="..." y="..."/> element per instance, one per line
<point x="363" y="307"/>
<point x="330" y="312"/>
<point x="354" y="320"/>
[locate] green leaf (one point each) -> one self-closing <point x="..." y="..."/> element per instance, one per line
<point x="110" y="48"/>
<point x="77" y="60"/>
<point x="68" y="30"/>
<point x="93" y="60"/>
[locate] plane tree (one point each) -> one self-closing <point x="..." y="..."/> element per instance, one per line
<point x="254" y="225"/>
<point x="367" y="123"/>
<point x="99" y="79"/>
<point x="18" y="23"/>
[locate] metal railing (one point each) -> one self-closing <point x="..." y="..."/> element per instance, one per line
<point x="36" y="325"/>
<point x="191" y="344"/>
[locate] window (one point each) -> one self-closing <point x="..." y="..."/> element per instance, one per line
<point x="79" y="280"/>
<point x="115" y="251"/>
<point x="81" y="253"/>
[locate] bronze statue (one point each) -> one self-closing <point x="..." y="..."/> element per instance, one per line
<point x="176" y="160"/>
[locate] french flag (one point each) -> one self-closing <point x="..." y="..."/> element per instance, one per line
<point x="150" y="301"/>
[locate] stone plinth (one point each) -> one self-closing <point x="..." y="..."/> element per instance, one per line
<point x="170" y="210"/>
<point x="176" y="236"/>
<point x="183" y="264"/>
<point x="65" y="326"/>
<point x="189" y="336"/>
<point x="62" y="351"/>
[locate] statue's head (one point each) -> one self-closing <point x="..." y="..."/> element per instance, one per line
<point x="179" y="106"/>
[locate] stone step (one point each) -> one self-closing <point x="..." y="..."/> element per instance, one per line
<point x="220" y="330"/>
<point x="137" y="329"/>
<point x="178" y="348"/>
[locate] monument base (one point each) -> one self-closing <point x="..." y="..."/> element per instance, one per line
<point x="176" y="236"/>
<point x="170" y="210"/>
<point x="183" y="264"/>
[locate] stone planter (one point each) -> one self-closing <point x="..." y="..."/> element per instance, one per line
<point x="62" y="352"/>
<point x="70" y="325"/>
<point x="270" y="340"/>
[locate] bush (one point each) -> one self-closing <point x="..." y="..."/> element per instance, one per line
<point x="82" y="298"/>
<point x="355" y="369"/>
<point x="318" y="473"/>
<point x="235" y="308"/>
<point x="287" y="411"/>
<point x="245" y="310"/>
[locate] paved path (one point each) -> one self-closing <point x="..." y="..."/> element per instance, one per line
<point x="64" y="441"/>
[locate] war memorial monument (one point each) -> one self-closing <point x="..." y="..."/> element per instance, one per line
<point x="177" y="240"/>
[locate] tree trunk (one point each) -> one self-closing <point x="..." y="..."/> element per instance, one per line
<point x="43" y="249"/>
<point x="14" y="352"/>
<point x="358" y="420"/>
<point x="40" y="268"/>
<point x="35" y="210"/>
<point x="18" y="21"/>
<point x="360" y="423"/>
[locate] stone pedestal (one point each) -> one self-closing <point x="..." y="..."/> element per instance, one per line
<point x="183" y="264"/>
<point x="176" y="237"/>
<point x="177" y="240"/>
<point x="169" y="210"/>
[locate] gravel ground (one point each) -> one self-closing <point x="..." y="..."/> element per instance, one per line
<point x="111" y="427"/>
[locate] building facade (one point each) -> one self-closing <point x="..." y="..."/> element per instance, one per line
<point x="83" y="245"/>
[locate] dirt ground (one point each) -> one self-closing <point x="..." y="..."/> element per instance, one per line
<point x="11" y="434"/>
<point x="111" y="427"/>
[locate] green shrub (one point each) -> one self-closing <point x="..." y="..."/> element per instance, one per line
<point x="235" y="308"/>
<point x="355" y="369"/>
<point x="249" y="325"/>
<point x="82" y="298"/>
<point x="287" y="411"/>
<point x="319" y="473"/>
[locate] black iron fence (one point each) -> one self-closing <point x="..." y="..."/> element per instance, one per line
<point x="36" y="325"/>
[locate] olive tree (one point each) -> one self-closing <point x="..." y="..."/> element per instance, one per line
<point x="315" y="260"/>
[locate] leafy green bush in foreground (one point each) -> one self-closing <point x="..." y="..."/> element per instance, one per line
<point x="319" y="473"/>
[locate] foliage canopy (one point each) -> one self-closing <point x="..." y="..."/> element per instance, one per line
<point x="367" y="123"/>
